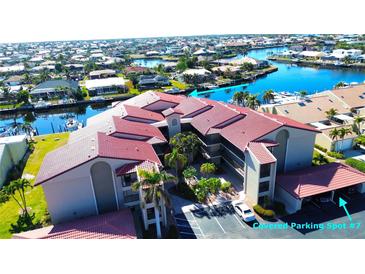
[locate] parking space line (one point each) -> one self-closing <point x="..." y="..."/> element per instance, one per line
<point x="198" y="225"/>
<point x="238" y="220"/>
<point x="215" y="218"/>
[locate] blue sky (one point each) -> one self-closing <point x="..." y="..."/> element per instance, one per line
<point x="42" y="20"/>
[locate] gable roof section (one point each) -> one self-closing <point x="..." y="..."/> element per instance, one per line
<point x="316" y="180"/>
<point x="136" y="112"/>
<point x="192" y="105"/>
<point x="75" y="154"/>
<point x="353" y="96"/>
<point x="213" y="117"/>
<point x="135" y="128"/>
<point x="261" y="153"/>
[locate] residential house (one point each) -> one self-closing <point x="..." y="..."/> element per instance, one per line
<point x="100" y="74"/>
<point x="106" y="86"/>
<point x="54" y="89"/>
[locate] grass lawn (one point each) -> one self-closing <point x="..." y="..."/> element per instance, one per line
<point x="11" y="106"/>
<point x="35" y="197"/>
<point x="178" y="84"/>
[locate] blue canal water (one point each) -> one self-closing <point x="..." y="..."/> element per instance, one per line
<point x="287" y="78"/>
<point x="53" y="120"/>
<point x="291" y="78"/>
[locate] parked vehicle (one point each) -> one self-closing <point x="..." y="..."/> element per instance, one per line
<point x="243" y="211"/>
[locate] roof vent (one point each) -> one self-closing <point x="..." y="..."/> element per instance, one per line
<point x="137" y="149"/>
<point x="92" y="147"/>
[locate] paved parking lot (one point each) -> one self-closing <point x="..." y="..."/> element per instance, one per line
<point x="221" y="222"/>
<point x="212" y="222"/>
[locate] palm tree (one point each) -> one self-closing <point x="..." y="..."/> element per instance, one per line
<point x="152" y="183"/>
<point x="187" y="143"/>
<point x="303" y="93"/>
<point x="238" y="97"/>
<point x="176" y="160"/>
<point x="268" y="96"/>
<point x="253" y="102"/>
<point x="357" y="124"/>
<point x="331" y="113"/>
<point x="342" y="133"/>
<point x="334" y="134"/>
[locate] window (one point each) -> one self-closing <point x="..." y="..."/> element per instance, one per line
<point x="264" y="186"/>
<point x="129" y="179"/>
<point x="265" y="170"/>
<point x="150" y="213"/>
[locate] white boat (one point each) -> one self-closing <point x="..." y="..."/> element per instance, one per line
<point x="73" y="124"/>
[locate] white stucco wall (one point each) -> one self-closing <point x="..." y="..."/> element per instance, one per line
<point x="300" y="145"/>
<point x="70" y="195"/>
<point x="252" y="171"/>
<point x="291" y="203"/>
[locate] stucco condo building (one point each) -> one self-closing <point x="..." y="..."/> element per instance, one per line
<point x="93" y="172"/>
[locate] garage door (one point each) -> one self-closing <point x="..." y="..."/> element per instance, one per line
<point x="343" y="145"/>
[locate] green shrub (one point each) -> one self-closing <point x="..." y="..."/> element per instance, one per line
<point x="336" y="155"/>
<point x="360" y="140"/>
<point x="225" y="186"/>
<point x="357" y="164"/>
<point x="190" y="172"/>
<point x="208" y="168"/>
<point x="264" y="213"/>
<point x="320" y="148"/>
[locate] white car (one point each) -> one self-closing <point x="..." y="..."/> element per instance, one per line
<point x="243" y="211"/>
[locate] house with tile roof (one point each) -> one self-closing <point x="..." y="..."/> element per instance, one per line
<point x="93" y="172"/>
<point x="348" y="103"/>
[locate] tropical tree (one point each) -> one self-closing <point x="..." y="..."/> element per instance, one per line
<point x="331" y="113"/>
<point x="268" y="96"/>
<point x="186" y="143"/>
<point x="176" y="160"/>
<point x="303" y="93"/>
<point x="342" y="132"/>
<point x="340" y="84"/>
<point x="16" y="190"/>
<point x="152" y="183"/>
<point x="252" y="101"/>
<point x="207" y="169"/>
<point x="357" y="124"/>
<point x="334" y="134"/>
<point x="23" y="96"/>
<point x="240" y="97"/>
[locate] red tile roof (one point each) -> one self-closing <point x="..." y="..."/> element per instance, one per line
<point x="177" y="99"/>
<point x="256" y="125"/>
<point x="261" y="153"/>
<point x="75" y="154"/>
<point x="191" y="105"/>
<point x="214" y="117"/>
<point x="135" y="128"/>
<point x="111" y="147"/>
<point x="136" y="112"/>
<point x="133" y="167"/>
<point x="316" y="180"/>
<point x="170" y="111"/>
<point x="114" y="225"/>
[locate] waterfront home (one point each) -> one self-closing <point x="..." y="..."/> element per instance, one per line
<point x="53" y="88"/>
<point x="92" y="174"/>
<point x="15" y="80"/>
<point x="106" y="86"/>
<point x="12" y="151"/>
<point x="197" y="75"/>
<point x="100" y="74"/>
<point x="152" y="82"/>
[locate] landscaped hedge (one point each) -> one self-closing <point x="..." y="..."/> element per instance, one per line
<point x="336" y="155"/>
<point x="360" y="140"/>
<point x="320" y="148"/>
<point x="264" y="213"/>
<point x="359" y="165"/>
